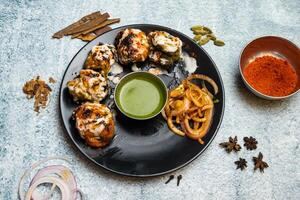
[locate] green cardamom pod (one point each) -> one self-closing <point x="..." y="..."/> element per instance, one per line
<point x="211" y="36"/>
<point x="203" y="41"/>
<point x="197" y="27"/>
<point x="200" y="32"/>
<point x="219" y="43"/>
<point x="208" y="30"/>
<point x="197" y="37"/>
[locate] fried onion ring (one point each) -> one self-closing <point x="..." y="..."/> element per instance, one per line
<point x="189" y="109"/>
<point x="173" y="127"/>
<point x="205" y="78"/>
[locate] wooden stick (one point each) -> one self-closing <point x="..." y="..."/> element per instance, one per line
<point x="84" y="19"/>
<point x="89" y="24"/>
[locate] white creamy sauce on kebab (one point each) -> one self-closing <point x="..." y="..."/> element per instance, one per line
<point x="114" y="79"/>
<point x="157" y="71"/>
<point x="114" y="73"/>
<point x="134" y="68"/>
<point x="116" y="69"/>
<point x="190" y="63"/>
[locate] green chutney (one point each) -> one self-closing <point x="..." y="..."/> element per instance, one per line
<point x="141" y="97"/>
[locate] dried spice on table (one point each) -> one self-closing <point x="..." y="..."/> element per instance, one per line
<point x="259" y="163"/>
<point x="250" y="143"/>
<point x="241" y="164"/>
<point x="170" y="178"/>
<point x="96" y="27"/>
<point x="38" y="89"/>
<point x="84" y="19"/>
<point x="88" y="27"/>
<point x="179" y="179"/>
<point x="52" y="80"/>
<point x="89" y="24"/>
<point x="87" y="37"/>
<point x="203" y="34"/>
<point x="231" y="145"/>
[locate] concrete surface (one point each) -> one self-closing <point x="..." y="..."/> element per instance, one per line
<point x="27" y="50"/>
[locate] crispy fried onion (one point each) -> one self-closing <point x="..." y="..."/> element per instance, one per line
<point x="189" y="109"/>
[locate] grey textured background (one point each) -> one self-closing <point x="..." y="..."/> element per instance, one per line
<point x="27" y="50"/>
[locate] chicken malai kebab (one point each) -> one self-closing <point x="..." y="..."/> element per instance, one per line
<point x="165" y="49"/>
<point x="95" y="124"/>
<point x="101" y="58"/>
<point x="132" y="46"/>
<point x="88" y="86"/>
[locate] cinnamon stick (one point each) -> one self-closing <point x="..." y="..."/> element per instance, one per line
<point x="84" y="19"/>
<point x="88" y="25"/>
<point x="90" y="36"/>
<point x="100" y="31"/>
<point x="87" y="37"/>
<point x="105" y="23"/>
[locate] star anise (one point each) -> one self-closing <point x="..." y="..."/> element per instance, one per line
<point x="259" y="163"/>
<point x="241" y="164"/>
<point x="250" y="143"/>
<point x="231" y="145"/>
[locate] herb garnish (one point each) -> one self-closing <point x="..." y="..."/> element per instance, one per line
<point x="259" y="163"/>
<point x="241" y="164"/>
<point x="231" y="145"/>
<point x="250" y="143"/>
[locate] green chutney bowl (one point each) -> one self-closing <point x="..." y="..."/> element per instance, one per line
<point x="141" y="95"/>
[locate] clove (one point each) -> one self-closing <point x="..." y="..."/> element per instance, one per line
<point x="178" y="179"/>
<point x="170" y="178"/>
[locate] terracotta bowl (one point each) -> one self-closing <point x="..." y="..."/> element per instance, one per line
<point x="270" y="45"/>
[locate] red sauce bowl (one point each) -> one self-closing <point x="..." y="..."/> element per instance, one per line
<point x="274" y="46"/>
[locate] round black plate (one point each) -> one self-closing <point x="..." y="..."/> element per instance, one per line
<point x="142" y="148"/>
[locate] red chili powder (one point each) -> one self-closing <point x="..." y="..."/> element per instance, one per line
<point x="271" y="76"/>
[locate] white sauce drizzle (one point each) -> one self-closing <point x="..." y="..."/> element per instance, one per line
<point x="157" y="71"/>
<point x="134" y="68"/>
<point x="116" y="68"/>
<point x="116" y="80"/>
<point x="190" y="63"/>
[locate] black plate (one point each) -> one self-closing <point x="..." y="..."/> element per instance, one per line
<point x="143" y="148"/>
